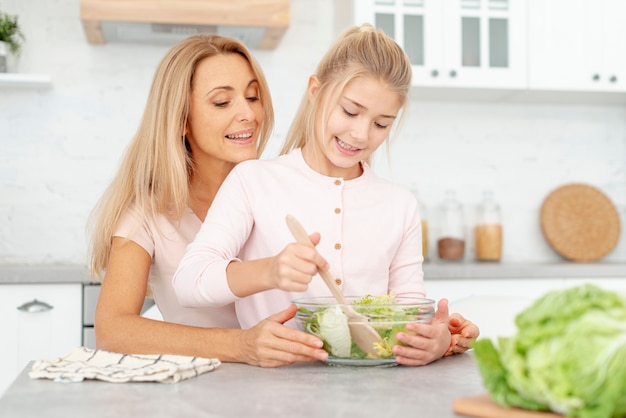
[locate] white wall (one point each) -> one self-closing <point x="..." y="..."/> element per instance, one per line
<point x="59" y="148"/>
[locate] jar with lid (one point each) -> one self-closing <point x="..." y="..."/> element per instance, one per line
<point x="424" y="217"/>
<point x="451" y="241"/>
<point x="488" y="229"/>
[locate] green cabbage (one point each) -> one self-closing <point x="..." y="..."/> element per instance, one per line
<point x="334" y="330"/>
<point x="568" y="356"/>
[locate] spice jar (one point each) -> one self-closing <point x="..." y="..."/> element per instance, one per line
<point x="451" y="242"/>
<point x="488" y="230"/>
<point x="424" y="217"/>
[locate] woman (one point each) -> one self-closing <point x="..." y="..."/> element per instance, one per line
<point x="370" y="228"/>
<point x="208" y="109"/>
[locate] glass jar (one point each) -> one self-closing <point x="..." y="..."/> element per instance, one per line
<point x="451" y="241"/>
<point x="488" y="230"/>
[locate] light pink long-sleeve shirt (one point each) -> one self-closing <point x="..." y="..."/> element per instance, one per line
<point x="370" y="235"/>
<point x="165" y="240"/>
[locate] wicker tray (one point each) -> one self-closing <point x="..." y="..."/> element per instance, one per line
<point x="580" y="222"/>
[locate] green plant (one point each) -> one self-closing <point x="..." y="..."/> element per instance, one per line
<point x="10" y="33"/>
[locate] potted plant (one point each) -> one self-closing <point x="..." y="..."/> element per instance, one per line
<point x="11" y="38"/>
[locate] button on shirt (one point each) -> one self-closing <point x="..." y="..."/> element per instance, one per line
<point x="370" y="235"/>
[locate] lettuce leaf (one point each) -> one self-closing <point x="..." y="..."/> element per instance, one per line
<point x="568" y="355"/>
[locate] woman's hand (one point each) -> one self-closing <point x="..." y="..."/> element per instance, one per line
<point x="272" y="344"/>
<point x="464" y="333"/>
<point x="294" y="267"/>
<point x="425" y="343"/>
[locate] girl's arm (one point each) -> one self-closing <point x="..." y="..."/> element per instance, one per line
<point x="120" y="328"/>
<point x="211" y="273"/>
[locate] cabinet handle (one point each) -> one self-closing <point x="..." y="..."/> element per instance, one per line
<point x="434" y="73"/>
<point x="34" y="306"/>
<point x="596" y="77"/>
<point x="613" y="79"/>
<point x="452" y="73"/>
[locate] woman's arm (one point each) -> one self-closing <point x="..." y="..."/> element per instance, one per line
<point x="120" y="328"/>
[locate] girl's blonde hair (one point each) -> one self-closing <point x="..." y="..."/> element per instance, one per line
<point x="359" y="51"/>
<point x="155" y="170"/>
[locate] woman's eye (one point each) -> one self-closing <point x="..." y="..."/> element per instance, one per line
<point x="348" y="113"/>
<point x="378" y="125"/>
<point x="221" y="104"/>
<point x="253" y="99"/>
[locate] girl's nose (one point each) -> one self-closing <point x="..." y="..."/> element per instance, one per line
<point x="359" y="130"/>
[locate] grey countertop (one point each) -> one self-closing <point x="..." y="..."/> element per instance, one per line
<point x="74" y="273"/>
<point x="44" y="274"/>
<point x="237" y="390"/>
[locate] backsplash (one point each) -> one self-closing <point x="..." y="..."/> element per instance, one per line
<point x="59" y="148"/>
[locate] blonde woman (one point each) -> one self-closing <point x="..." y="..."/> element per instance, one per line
<point x="368" y="229"/>
<point x="208" y="109"/>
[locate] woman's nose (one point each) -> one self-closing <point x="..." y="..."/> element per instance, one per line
<point x="245" y="111"/>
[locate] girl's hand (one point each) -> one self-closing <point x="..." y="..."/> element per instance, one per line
<point x="464" y="333"/>
<point x="429" y="341"/>
<point x="272" y="344"/>
<point x="294" y="267"/>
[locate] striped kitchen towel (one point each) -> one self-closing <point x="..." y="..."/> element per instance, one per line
<point x="84" y="363"/>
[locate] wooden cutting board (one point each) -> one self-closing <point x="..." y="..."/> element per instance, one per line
<point x="481" y="406"/>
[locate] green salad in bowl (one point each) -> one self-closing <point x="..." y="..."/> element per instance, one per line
<point x="386" y="314"/>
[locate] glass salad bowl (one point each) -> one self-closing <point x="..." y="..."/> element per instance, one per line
<point x="386" y="314"/>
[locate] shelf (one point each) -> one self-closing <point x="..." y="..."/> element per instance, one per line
<point x="19" y="80"/>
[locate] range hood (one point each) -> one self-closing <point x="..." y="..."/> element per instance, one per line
<point x="260" y="24"/>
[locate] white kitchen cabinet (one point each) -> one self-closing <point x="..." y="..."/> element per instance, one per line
<point x="577" y="45"/>
<point x="38" y="322"/>
<point x="455" y="43"/>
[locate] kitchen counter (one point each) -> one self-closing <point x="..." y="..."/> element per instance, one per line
<point x="74" y="273"/>
<point x="237" y="390"/>
<point x="44" y="274"/>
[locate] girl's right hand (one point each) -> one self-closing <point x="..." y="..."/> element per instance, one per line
<point x="272" y="344"/>
<point x="294" y="267"/>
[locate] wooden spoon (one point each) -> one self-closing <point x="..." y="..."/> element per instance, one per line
<point x="361" y="332"/>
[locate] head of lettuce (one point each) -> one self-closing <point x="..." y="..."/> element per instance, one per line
<point x="568" y="356"/>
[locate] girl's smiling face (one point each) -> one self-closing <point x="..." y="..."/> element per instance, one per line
<point x="357" y="125"/>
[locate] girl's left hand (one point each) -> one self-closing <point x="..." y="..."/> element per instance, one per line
<point x="429" y="341"/>
<point x="464" y="333"/>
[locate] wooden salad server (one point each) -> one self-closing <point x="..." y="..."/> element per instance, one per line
<point x="361" y="332"/>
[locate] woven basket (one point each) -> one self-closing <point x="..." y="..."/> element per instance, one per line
<point x="580" y="222"/>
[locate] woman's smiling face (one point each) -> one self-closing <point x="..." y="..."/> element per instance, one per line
<point x="225" y="113"/>
<point x="357" y="125"/>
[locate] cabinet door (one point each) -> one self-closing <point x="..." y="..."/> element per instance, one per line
<point x="38" y="322"/>
<point x="485" y="43"/>
<point x="577" y="45"/>
<point x="454" y="43"/>
<point x="416" y="26"/>
<point x="613" y="72"/>
<point x="557" y="45"/>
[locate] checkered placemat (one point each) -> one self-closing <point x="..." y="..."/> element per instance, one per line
<point x="84" y="363"/>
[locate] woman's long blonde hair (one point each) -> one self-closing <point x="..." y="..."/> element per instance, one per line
<point x="155" y="171"/>
<point x="358" y="51"/>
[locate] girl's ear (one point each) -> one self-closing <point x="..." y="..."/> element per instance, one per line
<point x="312" y="87"/>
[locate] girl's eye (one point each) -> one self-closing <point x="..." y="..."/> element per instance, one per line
<point x="253" y="99"/>
<point x="348" y="113"/>
<point x="378" y="125"/>
<point x="221" y="104"/>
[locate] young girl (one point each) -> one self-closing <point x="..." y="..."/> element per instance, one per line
<point x="368" y="230"/>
